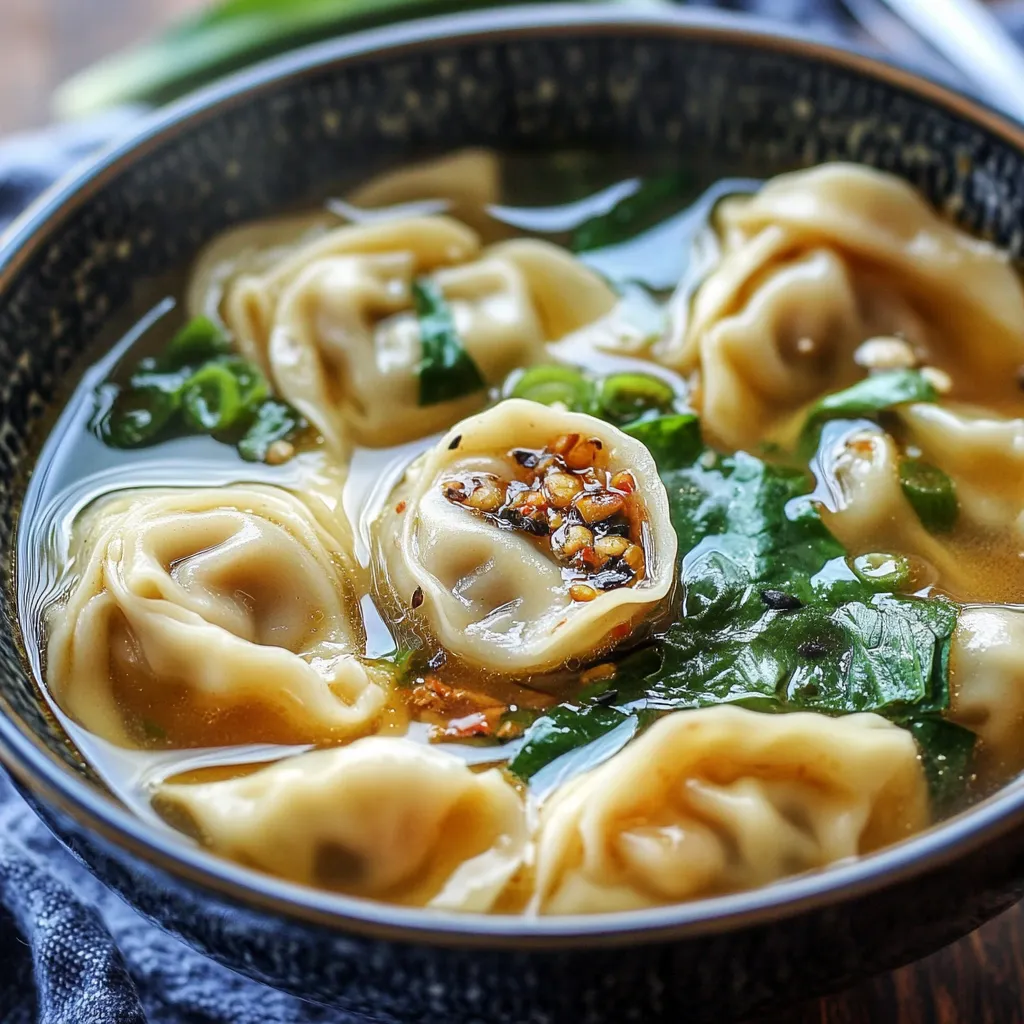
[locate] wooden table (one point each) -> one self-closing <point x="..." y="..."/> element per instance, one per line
<point x="977" y="981"/>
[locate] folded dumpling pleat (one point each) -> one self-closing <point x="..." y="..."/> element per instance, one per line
<point x="722" y="799"/>
<point x="865" y="507"/>
<point x="818" y="262"/>
<point x="986" y="671"/>
<point x="485" y="582"/>
<point x="212" y="615"/>
<point x="383" y="818"/>
<point x="333" y="322"/>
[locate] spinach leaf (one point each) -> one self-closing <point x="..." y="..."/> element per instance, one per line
<point x="560" y="730"/>
<point x="867" y="397"/>
<point x="873" y="653"/>
<point x="947" y="753"/>
<point x="630" y="215"/>
<point x="674" y="441"/>
<point x="446" y="370"/>
<point x="772" y="616"/>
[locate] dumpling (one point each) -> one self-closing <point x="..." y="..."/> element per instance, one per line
<point x="210" y="616"/>
<point x="462" y="184"/>
<point x="982" y="452"/>
<point x="382" y="818"/>
<point x="986" y="671"/>
<point x="722" y="799"/>
<point x="816" y="263"/>
<point x="864" y="506"/>
<point x="529" y="536"/>
<point x="333" y="323"/>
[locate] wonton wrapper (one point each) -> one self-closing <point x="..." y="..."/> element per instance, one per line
<point x="984" y="455"/>
<point x="723" y="799"/>
<point x="490" y="595"/>
<point x="468" y="181"/>
<point x="986" y="672"/>
<point x="222" y="615"/>
<point x="463" y="183"/>
<point x="819" y="261"/>
<point x="382" y="818"/>
<point x="866" y="510"/>
<point x="333" y="323"/>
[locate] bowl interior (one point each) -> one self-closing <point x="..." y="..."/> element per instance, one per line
<point x="713" y="91"/>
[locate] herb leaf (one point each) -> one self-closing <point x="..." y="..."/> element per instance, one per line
<point x="446" y="370"/>
<point x="560" y="730"/>
<point x="673" y="441"/>
<point x="947" y="752"/>
<point x="866" y="398"/>
<point x="633" y="213"/>
<point x="773" y="617"/>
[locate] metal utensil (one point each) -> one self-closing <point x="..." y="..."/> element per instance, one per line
<point x="888" y="30"/>
<point x="971" y="39"/>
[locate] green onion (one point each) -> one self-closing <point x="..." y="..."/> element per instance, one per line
<point x="199" y="341"/>
<point x="931" y="493"/>
<point x="225" y="36"/>
<point x="446" y="370"/>
<point x="138" y="417"/>
<point x="275" y="421"/>
<point x="212" y="399"/>
<point x="552" y="385"/>
<point x="886" y="572"/>
<point x="252" y="385"/>
<point x="627" y="397"/>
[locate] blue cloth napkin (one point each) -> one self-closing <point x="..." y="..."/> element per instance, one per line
<point x="70" y="951"/>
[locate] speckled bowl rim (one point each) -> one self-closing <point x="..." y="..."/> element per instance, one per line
<point x="55" y="784"/>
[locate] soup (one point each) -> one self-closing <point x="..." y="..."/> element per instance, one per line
<point x="447" y="548"/>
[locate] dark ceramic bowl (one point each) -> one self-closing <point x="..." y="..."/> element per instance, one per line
<point x="750" y="100"/>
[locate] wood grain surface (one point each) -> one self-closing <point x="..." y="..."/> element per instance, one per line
<point x="979" y="980"/>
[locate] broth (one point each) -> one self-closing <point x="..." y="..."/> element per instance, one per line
<point x="662" y="257"/>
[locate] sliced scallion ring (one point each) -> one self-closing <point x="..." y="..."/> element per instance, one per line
<point x="212" y="398"/>
<point x="931" y="493"/>
<point x="884" y="571"/>
<point x="627" y="397"/>
<point x="553" y="385"/>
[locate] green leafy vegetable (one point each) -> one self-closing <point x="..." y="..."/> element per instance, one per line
<point x="195" y="386"/>
<point x="560" y="730"/>
<point x="931" y="493"/>
<point x="553" y="384"/>
<point x="446" y="370"/>
<point x="627" y="397"/>
<point x="867" y="397"/>
<point x="630" y="215"/>
<point x="773" y="617"/>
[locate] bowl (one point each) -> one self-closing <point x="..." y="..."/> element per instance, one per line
<point x="746" y="97"/>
